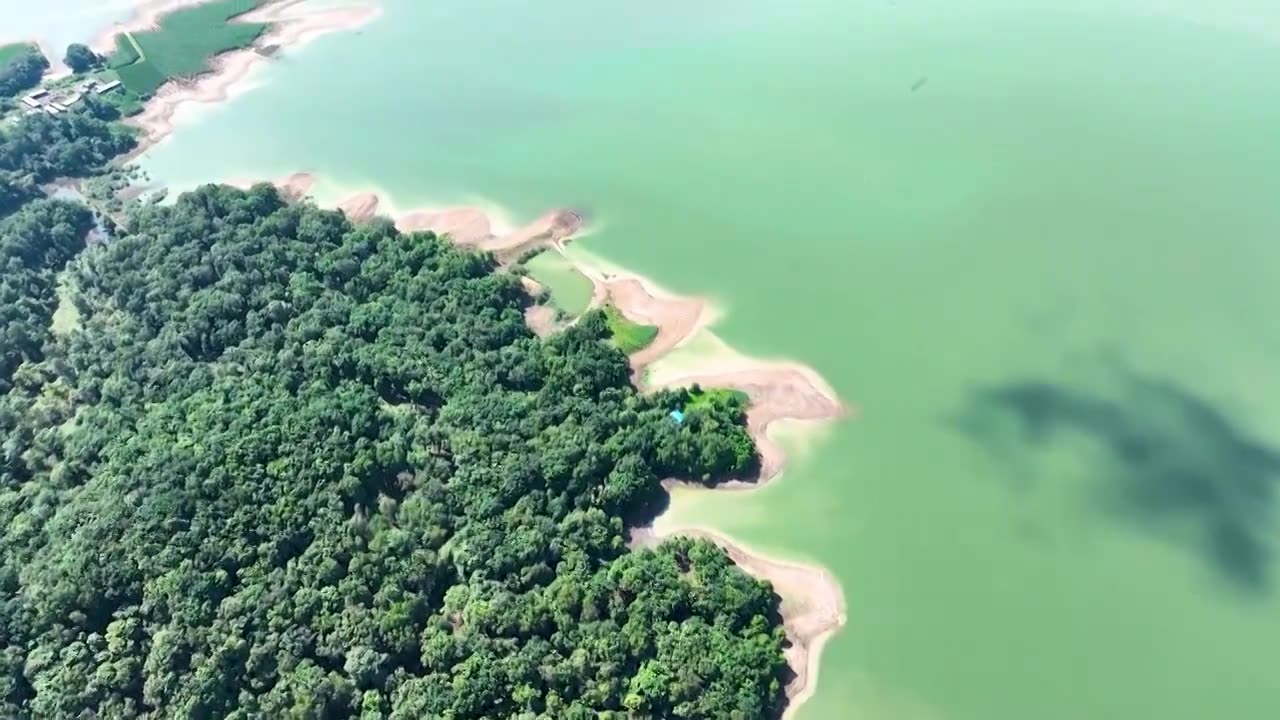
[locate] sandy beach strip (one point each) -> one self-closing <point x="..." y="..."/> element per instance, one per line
<point x="468" y="225"/>
<point x="295" y="187"/>
<point x="360" y="208"/>
<point x="292" y="24"/>
<point x="473" y="227"/>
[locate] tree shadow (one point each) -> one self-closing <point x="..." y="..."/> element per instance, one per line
<point x="1169" y="462"/>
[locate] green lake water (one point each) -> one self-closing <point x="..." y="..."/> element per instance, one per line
<point x="570" y="290"/>
<point x="1034" y="243"/>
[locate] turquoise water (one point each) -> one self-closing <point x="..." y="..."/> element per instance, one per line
<point x="1034" y="243"/>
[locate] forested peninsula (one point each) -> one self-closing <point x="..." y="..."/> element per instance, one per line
<point x="284" y="465"/>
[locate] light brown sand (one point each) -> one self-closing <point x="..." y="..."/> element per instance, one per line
<point x="297" y="185"/>
<point x="542" y="320"/>
<point x="541" y="317"/>
<point x="360" y="208"/>
<point x="292" y="25"/>
<point x="471" y="226"/>
<point x="551" y="228"/>
<point x="677" y="319"/>
<point x="465" y="225"/>
<point x="294" y="187"/>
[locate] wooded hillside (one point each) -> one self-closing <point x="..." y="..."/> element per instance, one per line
<point x="291" y="467"/>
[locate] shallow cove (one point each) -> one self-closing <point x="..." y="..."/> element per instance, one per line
<point x="1034" y="246"/>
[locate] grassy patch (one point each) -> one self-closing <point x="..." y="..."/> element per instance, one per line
<point x="66" y="317"/>
<point x="124" y="100"/>
<point x="142" y="79"/>
<point x="707" y="397"/>
<point x="629" y="336"/>
<point x="128" y="104"/>
<point x="14" y="50"/>
<point x="570" y="289"/>
<point x="183" y="44"/>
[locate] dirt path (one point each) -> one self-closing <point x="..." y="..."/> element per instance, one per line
<point x="142" y="56"/>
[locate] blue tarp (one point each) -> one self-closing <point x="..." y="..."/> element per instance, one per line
<point x="677" y="416"/>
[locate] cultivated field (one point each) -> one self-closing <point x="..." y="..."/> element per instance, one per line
<point x="182" y="44"/>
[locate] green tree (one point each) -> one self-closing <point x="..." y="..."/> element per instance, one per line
<point x="81" y="59"/>
<point x="291" y="467"/>
<point x="22" y="72"/>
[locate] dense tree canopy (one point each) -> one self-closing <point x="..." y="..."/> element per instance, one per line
<point x="80" y="58"/>
<point x="35" y="244"/>
<point x="291" y="467"/>
<point x="16" y="189"/>
<point x="42" y="147"/>
<point x="22" y="72"/>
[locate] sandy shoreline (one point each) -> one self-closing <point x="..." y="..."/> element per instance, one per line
<point x="778" y="390"/>
<point x="813" y="606"/>
<point x="292" y="24"/>
<point x="468" y="225"/>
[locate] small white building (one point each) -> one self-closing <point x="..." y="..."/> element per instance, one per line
<point x="31" y="103"/>
<point x="108" y="87"/>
